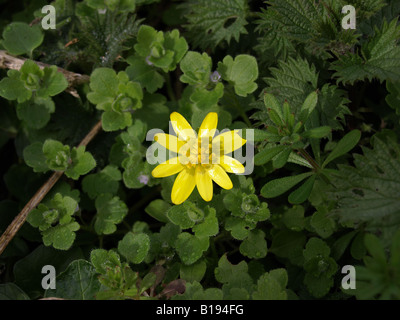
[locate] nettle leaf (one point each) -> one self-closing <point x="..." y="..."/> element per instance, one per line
<point x="110" y="212"/>
<point x="211" y="23"/>
<point x="20" y="38"/>
<point x="241" y="72"/>
<point x="379" y="58"/>
<point x="147" y="75"/>
<point x="271" y="286"/>
<point x="393" y="97"/>
<point x="134" y="247"/>
<point x="196" y="68"/>
<point x="106" y="181"/>
<point x="369" y="191"/>
<point x="77" y="282"/>
<point x="190" y="248"/>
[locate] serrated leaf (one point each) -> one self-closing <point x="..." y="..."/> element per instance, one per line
<point x="271" y="286"/>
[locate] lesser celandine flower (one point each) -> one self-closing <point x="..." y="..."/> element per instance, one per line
<point x="201" y="158"/>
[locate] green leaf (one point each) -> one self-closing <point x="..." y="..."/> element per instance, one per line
<point x="241" y="72"/>
<point x="20" y="38"/>
<point x="134" y="247"/>
<point x="146" y="75"/>
<point x="293" y="218"/>
<point x="194" y="272"/>
<point x="302" y="193"/>
<point x="281" y="158"/>
<point x="185" y="215"/>
<point x="110" y="212"/>
<point x="106" y="181"/>
<point x="323" y="225"/>
<point x="102" y="259"/>
<point x="57" y="155"/>
<point x="190" y="248"/>
<point x="77" y="282"/>
<point x="316" y="247"/>
<point x="308" y="106"/>
<point x="82" y="163"/>
<point x="254" y="246"/>
<point x="13" y="88"/>
<point x="9" y="291"/>
<point x="61" y="236"/>
<point x="276" y="187"/>
<point x="53" y="82"/>
<point x="209" y="226"/>
<point x="348" y="142"/>
<point x="36" y="113"/>
<point x="267" y="154"/>
<point x="34" y="157"/>
<point x="158" y="210"/>
<point x="271" y="286"/>
<point x="317" y="133"/>
<point x="196" y="68"/>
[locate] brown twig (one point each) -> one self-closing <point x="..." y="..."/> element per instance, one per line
<point x="19" y="220"/>
<point x="8" y="61"/>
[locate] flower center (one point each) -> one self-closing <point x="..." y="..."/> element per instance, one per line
<point x="199" y="151"/>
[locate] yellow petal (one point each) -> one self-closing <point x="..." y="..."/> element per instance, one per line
<point x="183" y="185"/>
<point x="204" y="183"/>
<point x="182" y="128"/>
<point x="231" y="165"/>
<point x="228" y="141"/>
<point x="209" y="125"/>
<point x="169" y="142"/>
<point x="220" y="176"/>
<point x="167" y="168"/>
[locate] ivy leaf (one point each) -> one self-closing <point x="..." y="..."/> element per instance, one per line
<point x="110" y="212"/>
<point x="254" y="246"/>
<point x="134" y="247"/>
<point x="61" y="236"/>
<point x="10" y="291"/>
<point x="145" y="74"/>
<point x="193" y="272"/>
<point x="20" y="38"/>
<point x="36" y="113"/>
<point x="190" y="248"/>
<point x="82" y="163"/>
<point x="241" y="72"/>
<point x="211" y="23"/>
<point x="209" y="226"/>
<point x="271" y="285"/>
<point x="35" y="158"/>
<point x="196" y="68"/>
<point x="77" y="282"/>
<point x="106" y="181"/>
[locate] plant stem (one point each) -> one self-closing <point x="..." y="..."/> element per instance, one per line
<point x="170" y="91"/>
<point x="310" y="159"/>
<point x="20" y="219"/>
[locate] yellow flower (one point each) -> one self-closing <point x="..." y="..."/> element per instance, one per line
<point x="200" y="159"/>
